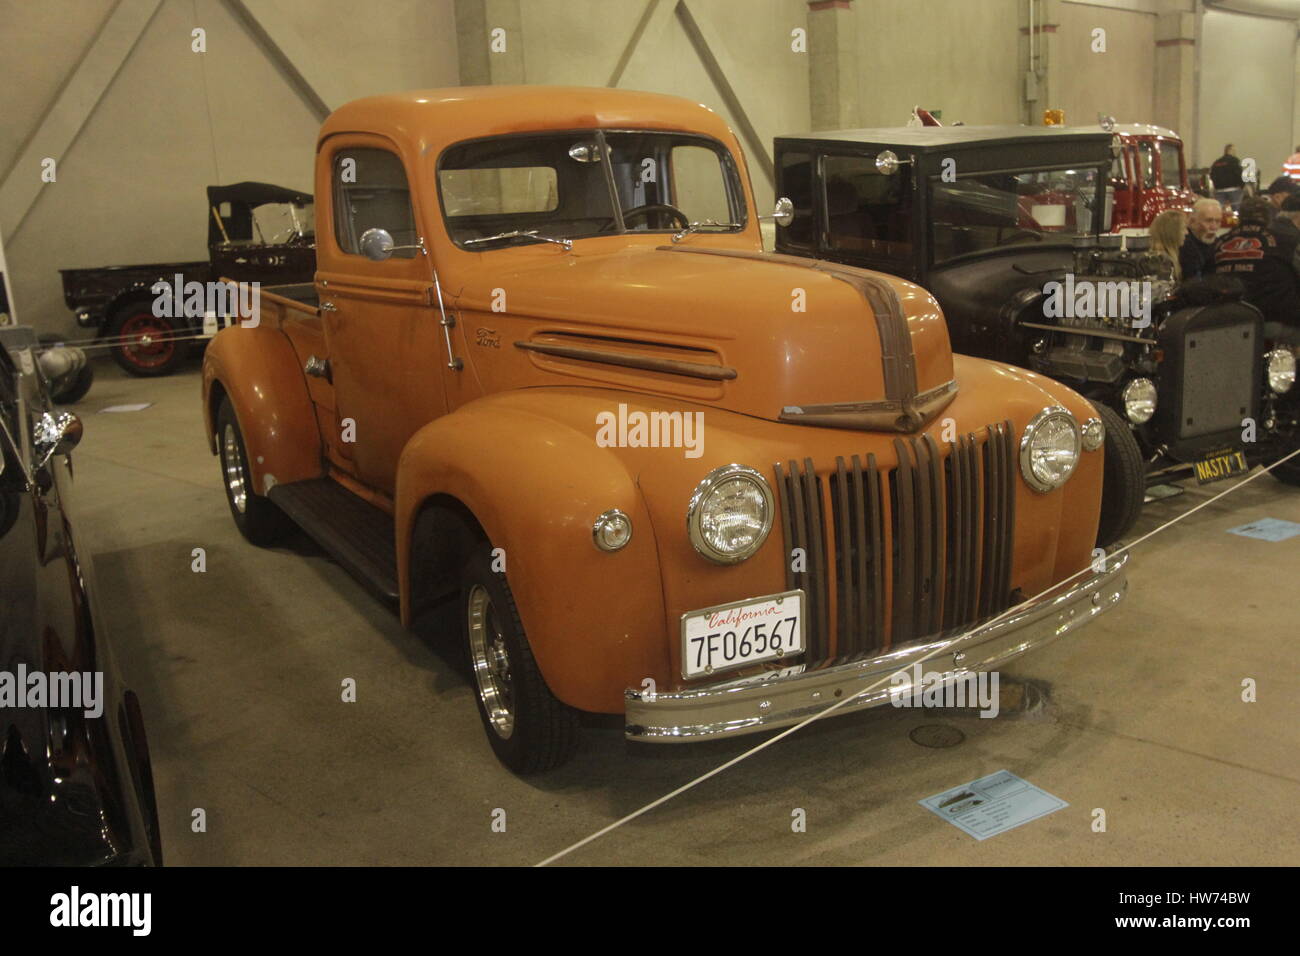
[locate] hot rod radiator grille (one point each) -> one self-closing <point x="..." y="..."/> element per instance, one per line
<point x="894" y="552"/>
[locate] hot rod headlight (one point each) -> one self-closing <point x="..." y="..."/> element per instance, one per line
<point x="1049" y="449"/>
<point x="730" y="514"/>
<point x="1139" y="397"/>
<point x="1281" y="370"/>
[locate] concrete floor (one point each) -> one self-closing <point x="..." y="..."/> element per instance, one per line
<point x="239" y="673"/>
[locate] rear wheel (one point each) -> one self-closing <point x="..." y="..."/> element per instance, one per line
<point x="1123" y="487"/>
<point x="529" y="730"/>
<point x="257" y="518"/>
<point x="145" y="344"/>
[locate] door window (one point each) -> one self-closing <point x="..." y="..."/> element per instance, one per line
<point x="370" y="191"/>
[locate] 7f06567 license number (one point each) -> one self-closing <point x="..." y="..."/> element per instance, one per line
<point x="729" y="636"/>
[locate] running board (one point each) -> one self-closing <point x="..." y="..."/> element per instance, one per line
<point x="357" y="535"/>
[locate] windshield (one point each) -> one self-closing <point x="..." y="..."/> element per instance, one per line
<point x="280" y="222"/>
<point x="587" y="183"/>
<point x="977" y="213"/>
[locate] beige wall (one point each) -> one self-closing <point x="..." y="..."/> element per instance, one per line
<point x="1119" y="82"/>
<point x="1245" y="99"/>
<point x="960" y="56"/>
<point x="171" y="121"/>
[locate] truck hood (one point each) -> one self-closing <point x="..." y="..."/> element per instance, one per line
<point x="778" y="337"/>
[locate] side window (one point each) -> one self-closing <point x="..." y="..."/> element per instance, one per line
<point x="1171" y="165"/>
<point x="1146" y="166"/>
<point x="865" y="212"/>
<point x="795" y="179"/>
<point x="370" y="191"/>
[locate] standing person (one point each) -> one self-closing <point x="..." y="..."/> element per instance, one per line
<point x="1225" y="173"/>
<point x="1263" y="260"/>
<point x="1168" y="232"/>
<point x="1196" y="254"/>
<point x="1292" y="166"/>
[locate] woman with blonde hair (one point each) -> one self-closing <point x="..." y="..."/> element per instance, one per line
<point x="1167" y="233"/>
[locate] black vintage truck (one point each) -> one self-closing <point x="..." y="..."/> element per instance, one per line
<point x="1004" y="226"/>
<point x="257" y="232"/>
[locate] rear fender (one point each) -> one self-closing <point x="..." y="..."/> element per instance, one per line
<point x="258" y="370"/>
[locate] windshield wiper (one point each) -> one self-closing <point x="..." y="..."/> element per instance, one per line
<point x="520" y="234"/>
<point x="697" y="226"/>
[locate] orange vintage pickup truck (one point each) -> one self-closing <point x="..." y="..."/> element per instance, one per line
<point x="546" y="369"/>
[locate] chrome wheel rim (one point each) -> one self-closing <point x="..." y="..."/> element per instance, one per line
<point x="233" y="464"/>
<point x="491" y="663"/>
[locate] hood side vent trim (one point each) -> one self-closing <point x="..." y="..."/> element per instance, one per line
<point x="701" y="370"/>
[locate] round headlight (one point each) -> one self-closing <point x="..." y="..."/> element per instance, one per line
<point x="1281" y="370"/>
<point x="1094" y="433"/>
<point x="1049" y="449"/>
<point x="612" y="530"/>
<point x="1139" y="398"/>
<point x="730" y="514"/>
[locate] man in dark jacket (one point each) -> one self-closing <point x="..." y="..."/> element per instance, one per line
<point x="1263" y="259"/>
<point x="1225" y="173"/>
<point x="1196" y="256"/>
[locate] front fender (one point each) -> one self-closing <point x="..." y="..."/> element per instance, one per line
<point x="258" y="370"/>
<point x="535" y="480"/>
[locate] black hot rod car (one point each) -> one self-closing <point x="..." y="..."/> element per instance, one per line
<point x="76" y="781"/>
<point x="1005" y="227"/>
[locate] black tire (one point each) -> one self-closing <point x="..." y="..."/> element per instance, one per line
<point x="132" y="326"/>
<point x="542" y="732"/>
<point x="73" y="390"/>
<point x="1288" y="473"/>
<point x="257" y="518"/>
<point x="1123" y="487"/>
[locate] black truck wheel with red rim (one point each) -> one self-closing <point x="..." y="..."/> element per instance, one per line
<point x="145" y="344"/>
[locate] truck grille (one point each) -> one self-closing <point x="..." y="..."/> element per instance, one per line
<point x="896" y="551"/>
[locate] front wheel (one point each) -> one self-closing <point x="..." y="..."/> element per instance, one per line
<point x="529" y="730"/>
<point x="144" y="344"/>
<point x="1123" y="487"/>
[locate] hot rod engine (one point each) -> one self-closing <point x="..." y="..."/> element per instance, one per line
<point x="1185" y="374"/>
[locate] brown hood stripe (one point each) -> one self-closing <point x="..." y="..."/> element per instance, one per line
<point x="898" y="360"/>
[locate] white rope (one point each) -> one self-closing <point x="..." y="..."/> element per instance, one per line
<point x="938" y="650"/>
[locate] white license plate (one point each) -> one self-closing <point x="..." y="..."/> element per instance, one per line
<point x="723" y="638"/>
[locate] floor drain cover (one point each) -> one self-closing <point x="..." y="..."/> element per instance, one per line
<point x="937" y="736"/>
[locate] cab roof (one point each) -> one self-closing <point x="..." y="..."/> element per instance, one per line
<point x="434" y="119"/>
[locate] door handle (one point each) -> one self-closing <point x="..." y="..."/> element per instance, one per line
<point x="328" y="307"/>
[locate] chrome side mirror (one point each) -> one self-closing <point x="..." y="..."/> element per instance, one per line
<point x="887" y="162"/>
<point x="55" y="435"/>
<point x="377" y="244"/>
<point x="783" y="214"/>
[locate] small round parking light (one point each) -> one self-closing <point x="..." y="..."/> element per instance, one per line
<point x="1093" y="434"/>
<point x="1280" y="364"/>
<point x="612" y="530"/>
<point x="1139" y="398"/>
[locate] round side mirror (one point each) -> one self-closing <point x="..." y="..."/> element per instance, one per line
<point x="376" y="244"/>
<point x="783" y="214"/>
<point x="887" y="162"/>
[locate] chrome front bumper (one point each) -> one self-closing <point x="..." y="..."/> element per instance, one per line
<point x="727" y="711"/>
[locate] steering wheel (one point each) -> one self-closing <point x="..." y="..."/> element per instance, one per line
<point x="657" y="207"/>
